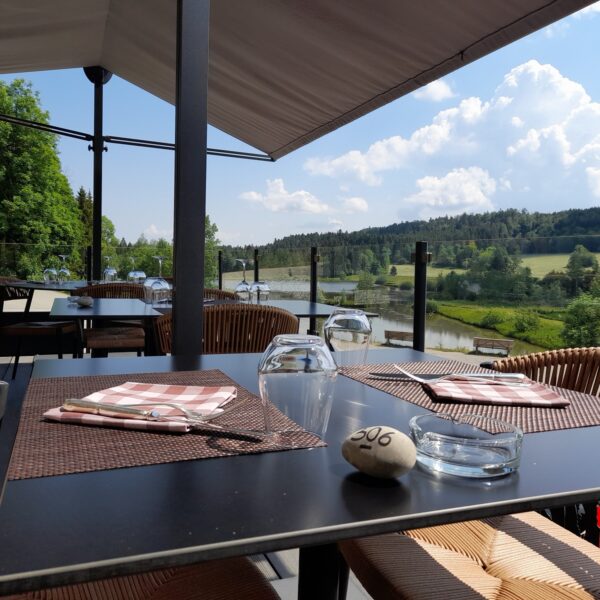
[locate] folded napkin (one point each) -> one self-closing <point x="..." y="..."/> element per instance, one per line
<point x="457" y="389"/>
<point x="200" y="399"/>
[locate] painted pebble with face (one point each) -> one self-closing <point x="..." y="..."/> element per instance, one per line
<point x="380" y="451"/>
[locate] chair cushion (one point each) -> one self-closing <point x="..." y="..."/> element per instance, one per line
<point x="114" y="337"/>
<point x="514" y="557"/>
<point x="215" y="580"/>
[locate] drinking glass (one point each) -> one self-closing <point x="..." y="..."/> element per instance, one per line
<point x="242" y="289"/>
<point x="110" y="273"/>
<point x="63" y="273"/>
<point x="297" y="374"/>
<point x="160" y="263"/>
<point x="135" y="276"/>
<point x="157" y="291"/>
<point x="50" y="275"/>
<point x="347" y="333"/>
<point x="261" y="290"/>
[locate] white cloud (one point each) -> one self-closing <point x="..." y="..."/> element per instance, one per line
<point x="539" y="126"/>
<point x="278" y="199"/>
<point x="436" y="91"/>
<point x="557" y="30"/>
<point x="336" y="223"/>
<point x="459" y="191"/>
<point x="355" y="204"/>
<point x="588" y="11"/>
<point x="152" y="232"/>
<point x="593" y="175"/>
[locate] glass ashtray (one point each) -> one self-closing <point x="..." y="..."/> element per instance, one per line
<point x="469" y="446"/>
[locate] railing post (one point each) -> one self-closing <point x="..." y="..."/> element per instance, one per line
<point x="421" y="258"/>
<point x="314" y="260"/>
<point x="88" y="264"/>
<point x="256" y="265"/>
<point x="220" y="267"/>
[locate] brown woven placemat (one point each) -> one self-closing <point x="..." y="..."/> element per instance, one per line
<point x="44" y="448"/>
<point x="584" y="410"/>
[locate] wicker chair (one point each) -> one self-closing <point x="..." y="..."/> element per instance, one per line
<point x="516" y="556"/>
<point x="227" y="579"/>
<point x="41" y="329"/>
<point x="575" y="369"/>
<point x="116" y="335"/>
<point x="231" y="328"/>
<point x="216" y="294"/>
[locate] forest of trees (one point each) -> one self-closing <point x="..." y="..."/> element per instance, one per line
<point x="452" y="240"/>
<point x="40" y="217"/>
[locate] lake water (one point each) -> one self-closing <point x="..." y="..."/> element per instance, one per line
<point x="394" y="308"/>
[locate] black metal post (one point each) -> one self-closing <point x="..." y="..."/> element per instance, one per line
<point x="88" y="264"/>
<point x="220" y="264"/>
<point x="420" y="299"/>
<point x="314" y="260"/>
<point x="190" y="174"/>
<point x="256" y="269"/>
<point x="98" y="76"/>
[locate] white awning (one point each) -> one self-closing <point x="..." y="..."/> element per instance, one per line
<point x="282" y="72"/>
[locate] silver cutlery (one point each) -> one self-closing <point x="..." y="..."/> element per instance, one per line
<point x="514" y="379"/>
<point x="136" y="411"/>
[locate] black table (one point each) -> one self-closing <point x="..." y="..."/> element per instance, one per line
<point x="108" y="309"/>
<point x="57" y="286"/>
<point x="76" y="527"/>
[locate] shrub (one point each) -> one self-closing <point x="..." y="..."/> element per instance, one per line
<point x="582" y="322"/>
<point x="406" y="286"/>
<point x="381" y="280"/>
<point x="431" y="307"/>
<point x="526" y="320"/>
<point x="491" y="319"/>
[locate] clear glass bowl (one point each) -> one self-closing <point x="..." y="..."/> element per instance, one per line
<point x="469" y="446"/>
<point x="347" y="333"/>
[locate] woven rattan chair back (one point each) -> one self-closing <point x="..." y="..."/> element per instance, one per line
<point x="575" y="369"/>
<point x="7" y="292"/>
<point x="231" y="328"/>
<point x="216" y="294"/>
<point x="112" y="290"/>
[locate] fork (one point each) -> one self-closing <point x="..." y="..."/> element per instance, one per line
<point x="516" y="381"/>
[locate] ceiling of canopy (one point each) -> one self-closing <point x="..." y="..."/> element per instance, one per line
<point x="282" y="72"/>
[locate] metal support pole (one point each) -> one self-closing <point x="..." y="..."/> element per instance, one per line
<point x="256" y="270"/>
<point x="190" y="174"/>
<point x="220" y="264"/>
<point x="98" y="76"/>
<point x="421" y="258"/>
<point x="88" y="264"/>
<point x="314" y="260"/>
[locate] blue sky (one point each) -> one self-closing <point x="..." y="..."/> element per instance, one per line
<point x="517" y="129"/>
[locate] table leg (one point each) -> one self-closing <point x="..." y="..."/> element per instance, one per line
<point x="323" y="573"/>
<point x="28" y="301"/>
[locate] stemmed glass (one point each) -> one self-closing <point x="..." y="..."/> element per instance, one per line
<point x="135" y="276"/>
<point x="63" y="273"/>
<point x="242" y="289"/>
<point x="110" y="273"/>
<point x="160" y="262"/>
<point x="297" y="374"/>
<point x="347" y="333"/>
<point x="50" y="275"/>
<point x="260" y="289"/>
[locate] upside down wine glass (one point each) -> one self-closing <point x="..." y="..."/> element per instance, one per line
<point x="242" y="289"/>
<point x="63" y="273"/>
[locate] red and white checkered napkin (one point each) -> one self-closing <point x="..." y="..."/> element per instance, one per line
<point x="200" y="399"/>
<point x="457" y="389"/>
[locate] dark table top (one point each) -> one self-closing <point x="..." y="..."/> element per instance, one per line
<point x="103" y="308"/>
<point x="75" y="527"/>
<point x="64" y="286"/>
<point x="300" y="308"/>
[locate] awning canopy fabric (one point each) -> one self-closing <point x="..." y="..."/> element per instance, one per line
<point x="282" y="72"/>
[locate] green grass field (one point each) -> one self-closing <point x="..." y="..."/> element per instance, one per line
<point x="541" y="264"/>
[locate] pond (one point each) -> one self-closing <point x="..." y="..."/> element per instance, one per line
<point x="394" y="308"/>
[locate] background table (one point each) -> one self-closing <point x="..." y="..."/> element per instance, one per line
<point x="76" y="527"/>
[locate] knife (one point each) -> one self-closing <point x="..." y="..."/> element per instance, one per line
<point x="514" y="377"/>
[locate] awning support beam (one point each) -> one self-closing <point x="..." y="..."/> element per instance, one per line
<point x="191" y="110"/>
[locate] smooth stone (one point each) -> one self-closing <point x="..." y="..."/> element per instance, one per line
<point x="85" y="301"/>
<point x="380" y="451"/>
